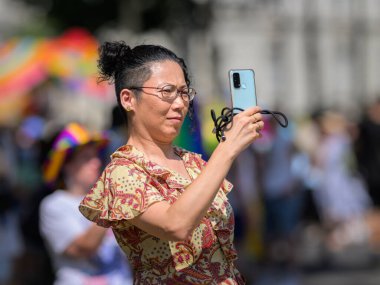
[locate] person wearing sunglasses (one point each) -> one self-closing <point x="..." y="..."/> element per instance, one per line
<point x="167" y="207"/>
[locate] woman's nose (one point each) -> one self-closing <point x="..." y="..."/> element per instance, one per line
<point x="179" y="102"/>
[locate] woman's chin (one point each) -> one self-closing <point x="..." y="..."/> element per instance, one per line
<point x="171" y="133"/>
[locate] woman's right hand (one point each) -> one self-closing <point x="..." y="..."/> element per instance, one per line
<point x="244" y="130"/>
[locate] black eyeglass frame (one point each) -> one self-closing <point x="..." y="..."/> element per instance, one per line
<point x="190" y="95"/>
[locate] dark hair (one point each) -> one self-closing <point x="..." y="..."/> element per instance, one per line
<point x="127" y="67"/>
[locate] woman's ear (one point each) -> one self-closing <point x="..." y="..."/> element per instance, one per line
<point x="127" y="99"/>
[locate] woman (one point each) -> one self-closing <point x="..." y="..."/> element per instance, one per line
<point x="167" y="207"/>
<point x="82" y="252"/>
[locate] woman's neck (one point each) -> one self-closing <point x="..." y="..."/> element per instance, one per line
<point x="162" y="154"/>
<point x="154" y="151"/>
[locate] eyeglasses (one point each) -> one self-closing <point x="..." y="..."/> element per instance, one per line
<point x="170" y="92"/>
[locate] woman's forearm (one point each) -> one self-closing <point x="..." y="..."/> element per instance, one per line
<point x="186" y="213"/>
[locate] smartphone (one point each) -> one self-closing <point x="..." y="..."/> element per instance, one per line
<point x="242" y="87"/>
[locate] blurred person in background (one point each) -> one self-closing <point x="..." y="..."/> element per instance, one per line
<point x="81" y="252"/>
<point x="368" y="150"/>
<point x="246" y="203"/>
<point x="340" y="194"/>
<point x="22" y="151"/>
<point x="282" y="191"/>
<point x="167" y="207"/>
<point x="11" y="241"/>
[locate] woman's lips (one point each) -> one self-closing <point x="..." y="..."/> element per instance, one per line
<point x="175" y="119"/>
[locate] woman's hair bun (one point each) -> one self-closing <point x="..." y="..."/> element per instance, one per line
<point x="113" y="57"/>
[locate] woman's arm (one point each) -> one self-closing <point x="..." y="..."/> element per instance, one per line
<point x="177" y="221"/>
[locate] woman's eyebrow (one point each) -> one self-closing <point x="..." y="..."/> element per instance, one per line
<point x="171" y="84"/>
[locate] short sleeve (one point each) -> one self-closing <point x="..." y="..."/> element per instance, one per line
<point x="121" y="193"/>
<point x="60" y="223"/>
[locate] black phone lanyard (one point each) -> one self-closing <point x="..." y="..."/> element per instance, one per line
<point x="227" y="114"/>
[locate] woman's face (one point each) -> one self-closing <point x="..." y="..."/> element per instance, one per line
<point x="84" y="166"/>
<point x="154" y="118"/>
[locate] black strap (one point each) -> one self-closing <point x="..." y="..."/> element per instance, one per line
<point x="227" y="114"/>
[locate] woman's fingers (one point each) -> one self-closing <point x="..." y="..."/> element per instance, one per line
<point x="246" y="127"/>
<point x="257" y="117"/>
<point x="259" y="125"/>
<point x="250" y="118"/>
<point x="252" y="111"/>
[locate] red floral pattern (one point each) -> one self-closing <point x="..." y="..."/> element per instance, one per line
<point x="128" y="186"/>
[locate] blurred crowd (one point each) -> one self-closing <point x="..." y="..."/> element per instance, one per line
<point x="301" y="195"/>
<point x="314" y="182"/>
<point x="319" y="177"/>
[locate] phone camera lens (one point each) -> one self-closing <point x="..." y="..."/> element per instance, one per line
<point x="236" y="80"/>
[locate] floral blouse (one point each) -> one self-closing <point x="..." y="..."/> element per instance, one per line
<point x="128" y="186"/>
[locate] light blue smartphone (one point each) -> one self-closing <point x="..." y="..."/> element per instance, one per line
<point x="242" y="87"/>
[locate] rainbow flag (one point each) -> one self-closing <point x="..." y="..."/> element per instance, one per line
<point x="21" y="70"/>
<point x="26" y="62"/>
<point x="21" y="66"/>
